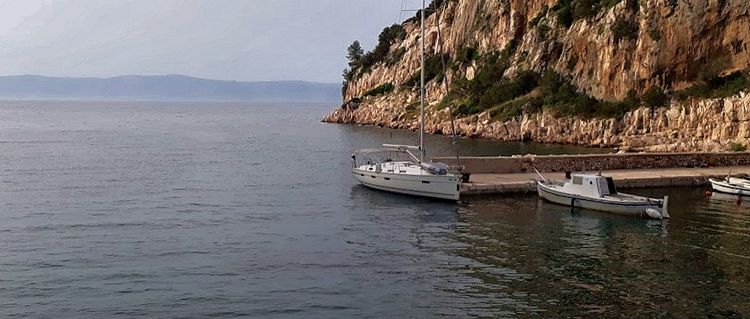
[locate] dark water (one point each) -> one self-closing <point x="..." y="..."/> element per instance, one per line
<point x="115" y="210"/>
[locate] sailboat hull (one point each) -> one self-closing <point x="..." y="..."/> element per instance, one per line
<point x="446" y="187"/>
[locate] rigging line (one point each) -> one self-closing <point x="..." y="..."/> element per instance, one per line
<point x="401" y="12"/>
<point x="446" y="81"/>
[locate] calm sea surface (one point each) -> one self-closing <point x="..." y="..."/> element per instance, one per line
<point x="189" y="210"/>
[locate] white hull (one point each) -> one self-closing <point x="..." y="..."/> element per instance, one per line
<point x="723" y="187"/>
<point x="600" y="204"/>
<point x="434" y="186"/>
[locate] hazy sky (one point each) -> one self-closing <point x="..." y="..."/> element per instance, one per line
<point x="219" y="39"/>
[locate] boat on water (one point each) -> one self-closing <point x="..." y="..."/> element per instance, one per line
<point x="597" y="192"/>
<point x="731" y="185"/>
<point x="395" y="168"/>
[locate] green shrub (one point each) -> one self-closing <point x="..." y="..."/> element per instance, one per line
<point x="655" y="34"/>
<point x="386" y="38"/>
<point x="564" y="12"/>
<point x="395" y="56"/>
<point x="716" y="87"/>
<point x="568" y="11"/>
<point x="738" y="147"/>
<point x="562" y="98"/>
<point x="655" y="97"/>
<point x="431" y="8"/>
<point x="729" y="85"/>
<point x="433" y="70"/>
<point x="584" y="9"/>
<point x="572" y="63"/>
<point x="466" y="55"/>
<point x="515" y="108"/>
<point x="624" y="29"/>
<point x="523" y="56"/>
<point x="485" y="95"/>
<point x="489" y="88"/>
<point x="632" y="5"/>
<point x="434" y="67"/>
<point x="380" y="89"/>
<point x="488" y="92"/>
<point x="506" y="98"/>
<point x="412" y="81"/>
<point x="543" y="29"/>
<point x="607" y="4"/>
<point x="347" y="75"/>
<point x="535" y="21"/>
<point x="411" y="110"/>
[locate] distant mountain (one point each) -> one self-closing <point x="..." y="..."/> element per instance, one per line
<point x="167" y="87"/>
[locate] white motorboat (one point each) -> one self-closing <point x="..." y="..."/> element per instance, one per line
<point x="599" y="193"/>
<point x="731" y="185"/>
<point x="394" y="168"/>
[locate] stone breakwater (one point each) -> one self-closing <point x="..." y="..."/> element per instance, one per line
<point x="596" y="162"/>
<point x="711" y="125"/>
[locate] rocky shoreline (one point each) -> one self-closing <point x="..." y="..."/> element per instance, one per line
<point x="611" y="53"/>
<point x="709" y="125"/>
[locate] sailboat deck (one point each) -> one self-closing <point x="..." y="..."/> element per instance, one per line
<point x="640" y="178"/>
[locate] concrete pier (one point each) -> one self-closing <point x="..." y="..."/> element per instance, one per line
<point x="515" y="174"/>
<point x="629" y="178"/>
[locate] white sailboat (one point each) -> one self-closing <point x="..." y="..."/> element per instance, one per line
<point x="395" y="168"/>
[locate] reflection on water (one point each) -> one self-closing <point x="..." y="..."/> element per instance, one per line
<point x="519" y="256"/>
<point x="567" y="262"/>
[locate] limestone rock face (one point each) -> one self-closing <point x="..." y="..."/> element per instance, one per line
<point x="708" y="125"/>
<point x="677" y="42"/>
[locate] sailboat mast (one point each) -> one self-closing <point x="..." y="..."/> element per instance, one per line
<point x="421" y="90"/>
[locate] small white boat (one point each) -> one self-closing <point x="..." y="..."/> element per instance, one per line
<point x="395" y="169"/>
<point x="731" y="185"/>
<point x="599" y="193"/>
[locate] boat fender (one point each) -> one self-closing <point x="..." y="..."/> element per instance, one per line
<point x="653" y="213"/>
<point x="739" y="200"/>
<point x="665" y="207"/>
<point x="709" y="194"/>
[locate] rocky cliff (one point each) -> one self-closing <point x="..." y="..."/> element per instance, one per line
<point x="605" y="50"/>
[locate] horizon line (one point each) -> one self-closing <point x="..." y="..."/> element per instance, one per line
<point x="162" y="75"/>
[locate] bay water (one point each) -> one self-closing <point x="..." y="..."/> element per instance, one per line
<point x="191" y="210"/>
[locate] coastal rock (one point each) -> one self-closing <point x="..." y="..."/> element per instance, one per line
<point x="708" y="125"/>
<point x="674" y="44"/>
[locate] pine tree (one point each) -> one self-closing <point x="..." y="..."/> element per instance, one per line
<point x="354" y="53"/>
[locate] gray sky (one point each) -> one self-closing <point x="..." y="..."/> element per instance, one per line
<point x="250" y="40"/>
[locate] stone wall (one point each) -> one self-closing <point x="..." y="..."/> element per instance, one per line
<point x="595" y="162"/>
